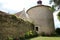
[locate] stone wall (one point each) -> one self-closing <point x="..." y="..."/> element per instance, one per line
<point x="10" y="26"/>
<point x="42" y="17"/>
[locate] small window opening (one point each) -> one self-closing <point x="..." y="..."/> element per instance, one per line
<point x="36" y="28"/>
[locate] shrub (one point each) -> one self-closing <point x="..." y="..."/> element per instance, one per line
<point x="9" y="38"/>
<point x="58" y="31"/>
<point x="16" y="38"/>
<point x="22" y="38"/>
<point x="31" y="34"/>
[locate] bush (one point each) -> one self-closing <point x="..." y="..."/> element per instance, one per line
<point x="58" y="31"/>
<point x="9" y="38"/>
<point x="31" y="34"/>
<point x="22" y="38"/>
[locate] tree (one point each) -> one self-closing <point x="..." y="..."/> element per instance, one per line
<point x="58" y="31"/>
<point x="56" y="4"/>
<point x="58" y="16"/>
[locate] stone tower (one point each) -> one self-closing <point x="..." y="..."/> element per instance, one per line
<point x="42" y="17"/>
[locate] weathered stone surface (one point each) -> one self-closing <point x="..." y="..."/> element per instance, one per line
<point x="42" y="17"/>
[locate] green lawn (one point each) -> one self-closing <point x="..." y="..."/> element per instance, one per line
<point x="46" y="38"/>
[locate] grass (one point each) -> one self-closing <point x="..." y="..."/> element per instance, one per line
<point x="46" y="38"/>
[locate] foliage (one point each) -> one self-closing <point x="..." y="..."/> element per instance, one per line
<point x="56" y="3"/>
<point x="9" y="38"/>
<point x="31" y="34"/>
<point x="11" y="25"/>
<point x="53" y="9"/>
<point x="58" y="15"/>
<point x="58" y="31"/>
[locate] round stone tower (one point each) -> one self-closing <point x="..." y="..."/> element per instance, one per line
<point x="42" y="17"/>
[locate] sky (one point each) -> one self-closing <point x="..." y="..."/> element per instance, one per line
<point x="13" y="6"/>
